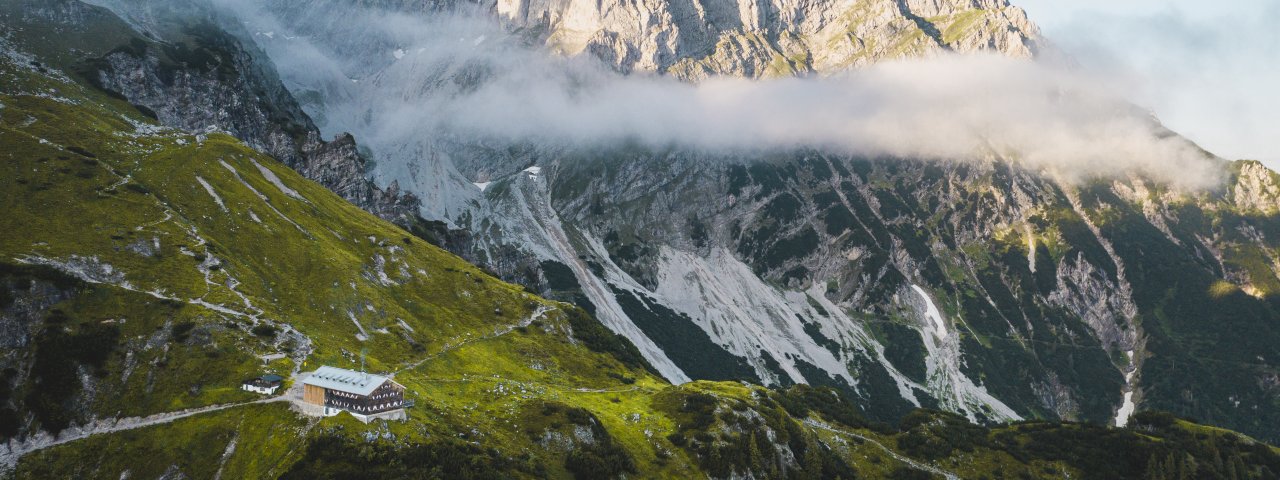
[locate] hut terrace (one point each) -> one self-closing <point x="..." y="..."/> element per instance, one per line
<point x="363" y="395"/>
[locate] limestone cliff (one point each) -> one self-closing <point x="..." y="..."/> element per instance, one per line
<point x="195" y="76"/>
<point x="693" y="40"/>
<point x="751" y="38"/>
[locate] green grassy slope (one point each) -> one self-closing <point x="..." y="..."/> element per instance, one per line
<point x="191" y="257"/>
<point x="166" y="234"/>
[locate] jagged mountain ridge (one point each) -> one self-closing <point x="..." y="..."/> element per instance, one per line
<point x="747" y="38"/>
<point x="754" y="39"/>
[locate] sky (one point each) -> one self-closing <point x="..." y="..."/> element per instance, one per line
<point x="1209" y="70"/>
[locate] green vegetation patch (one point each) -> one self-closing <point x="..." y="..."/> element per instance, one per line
<point x="258" y="441"/>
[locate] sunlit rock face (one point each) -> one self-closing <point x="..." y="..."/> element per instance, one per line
<point x="696" y="39"/>
<point x="754" y="39"/>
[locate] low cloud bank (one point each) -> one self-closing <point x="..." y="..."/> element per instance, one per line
<point x="952" y="108"/>
<point x="394" y="79"/>
<point x="1207" y="69"/>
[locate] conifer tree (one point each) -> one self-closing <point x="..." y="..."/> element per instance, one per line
<point x="1155" y="469"/>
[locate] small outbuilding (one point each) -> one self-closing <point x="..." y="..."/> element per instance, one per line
<point x="266" y="384"/>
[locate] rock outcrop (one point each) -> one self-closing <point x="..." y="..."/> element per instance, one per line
<point x="1257" y="188"/>
<point x="194" y="75"/>
<point x="754" y="39"/>
<point x="693" y="40"/>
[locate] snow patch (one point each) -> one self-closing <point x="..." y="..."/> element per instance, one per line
<point x="363" y="335"/>
<point x="263" y="197"/>
<point x="271" y="177"/>
<point x="1126" y="410"/>
<point x="737" y="309"/>
<point x="1127" y="406"/>
<point x="954" y="390"/>
<point x="482" y="185"/>
<point x="1031" y="250"/>
<point x="212" y="193"/>
<point x="399" y="53"/>
<point x="931" y="311"/>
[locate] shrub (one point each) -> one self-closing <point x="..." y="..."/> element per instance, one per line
<point x="334" y="457"/>
<point x="799" y="400"/>
<point x="604" y="459"/>
<point x="599" y="339"/>
<point x="264" y="330"/>
<point x="59" y="353"/>
<point x="182" y="331"/>
<point x="80" y="151"/>
<point x="907" y="473"/>
<point x="622" y="378"/>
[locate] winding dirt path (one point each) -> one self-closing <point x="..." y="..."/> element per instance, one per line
<point x="14" y="450"/>
<point x="896" y="456"/>
<point x="497" y="332"/>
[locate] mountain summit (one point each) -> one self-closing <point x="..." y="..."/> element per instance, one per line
<point x="693" y="40"/>
<point x="756" y="39"/>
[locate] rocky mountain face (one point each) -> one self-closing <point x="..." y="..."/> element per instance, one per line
<point x="754" y="39"/>
<point x="189" y="73"/>
<point x="742" y="38"/>
<point x="985" y="289"/>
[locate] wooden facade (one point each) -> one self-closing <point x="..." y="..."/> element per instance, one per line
<point x="313" y="394"/>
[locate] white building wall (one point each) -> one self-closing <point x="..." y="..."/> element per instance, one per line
<point x="255" y="389"/>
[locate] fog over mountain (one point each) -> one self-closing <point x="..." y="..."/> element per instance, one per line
<point x="1207" y="69"/>
<point x="945" y="107"/>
